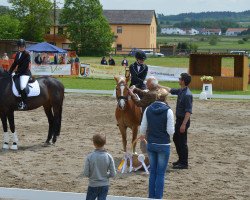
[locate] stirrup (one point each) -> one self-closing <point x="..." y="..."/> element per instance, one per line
<point x="22" y="106"/>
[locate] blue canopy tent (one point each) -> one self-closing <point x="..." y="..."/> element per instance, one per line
<point x="45" y="47"/>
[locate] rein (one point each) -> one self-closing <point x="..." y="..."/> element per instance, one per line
<point x="123" y="97"/>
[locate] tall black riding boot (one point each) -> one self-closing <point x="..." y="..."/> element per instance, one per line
<point x="22" y="105"/>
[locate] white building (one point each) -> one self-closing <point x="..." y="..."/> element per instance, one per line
<point x="234" y="31"/>
<point x="173" y="31"/>
<point x="206" y="31"/>
<point x="192" y="31"/>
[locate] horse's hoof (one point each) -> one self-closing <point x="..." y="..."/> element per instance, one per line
<point x="5" y="146"/>
<point x="13" y="147"/>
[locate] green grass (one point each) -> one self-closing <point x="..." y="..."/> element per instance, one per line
<point x="165" y="61"/>
<point x="104" y="84"/>
<point x="224" y="43"/>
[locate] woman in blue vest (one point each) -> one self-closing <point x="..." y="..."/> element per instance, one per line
<point x="158" y="123"/>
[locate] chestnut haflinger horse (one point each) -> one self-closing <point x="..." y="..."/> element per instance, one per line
<point x="127" y="113"/>
<point x="50" y="95"/>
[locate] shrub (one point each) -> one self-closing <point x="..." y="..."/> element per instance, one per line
<point x="241" y="42"/>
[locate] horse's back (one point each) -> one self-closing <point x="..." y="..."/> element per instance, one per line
<point x="53" y="87"/>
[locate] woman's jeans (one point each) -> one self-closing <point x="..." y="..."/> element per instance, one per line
<point x="97" y="192"/>
<point x="158" y="159"/>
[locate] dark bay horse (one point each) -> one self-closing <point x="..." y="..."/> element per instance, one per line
<point x="127" y="114"/>
<point x="51" y="98"/>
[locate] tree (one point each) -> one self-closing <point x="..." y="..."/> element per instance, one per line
<point x="87" y="28"/>
<point x="4" y="10"/>
<point x="9" y="27"/>
<point x="213" y="40"/>
<point x="34" y="16"/>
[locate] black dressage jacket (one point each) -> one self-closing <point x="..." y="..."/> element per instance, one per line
<point x="22" y="64"/>
<point x="137" y="77"/>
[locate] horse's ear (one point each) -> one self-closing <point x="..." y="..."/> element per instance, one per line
<point x="116" y="78"/>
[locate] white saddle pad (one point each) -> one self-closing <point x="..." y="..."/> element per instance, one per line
<point x="34" y="89"/>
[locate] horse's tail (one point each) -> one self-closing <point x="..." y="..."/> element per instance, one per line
<point x="56" y="93"/>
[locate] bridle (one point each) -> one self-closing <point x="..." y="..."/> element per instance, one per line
<point x="122" y="97"/>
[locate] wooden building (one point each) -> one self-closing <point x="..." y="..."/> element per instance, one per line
<point x="210" y="65"/>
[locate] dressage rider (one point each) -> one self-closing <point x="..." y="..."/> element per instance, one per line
<point x="22" y="62"/>
<point x="139" y="70"/>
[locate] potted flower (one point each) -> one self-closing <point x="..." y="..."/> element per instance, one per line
<point x="207" y="79"/>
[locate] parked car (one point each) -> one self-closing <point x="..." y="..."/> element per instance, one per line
<point x="148" y="52"/>
<point x="240" y="53"/>
<point x="132" y="52"/>
<point x="151" y="53"/>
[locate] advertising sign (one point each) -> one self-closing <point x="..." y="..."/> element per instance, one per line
<point x="50" y="70"/>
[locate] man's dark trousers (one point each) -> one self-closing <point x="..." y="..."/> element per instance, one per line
<point x="180" y="141"/>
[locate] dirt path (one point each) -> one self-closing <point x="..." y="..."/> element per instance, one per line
<point x="219" y="146"/>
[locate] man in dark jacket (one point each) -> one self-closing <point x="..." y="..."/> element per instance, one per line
<point x="22" y="62"/>
<point x="183" y="112"/>
<point x="139" y="70"/>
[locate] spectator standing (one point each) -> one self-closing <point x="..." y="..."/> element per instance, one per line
<point x="183" y="112"/>
<point x="125" y="62"/>
<point x="111" y="61"/>
<point x="77" y="63"/>
<point x="99" y="167"/>
<point x="104" y="61"/>
<point x="55" y="58"/>
<point x="77" y="60"/>
<point x="5" y="56"/>
<point x="158" y="124"/>
<point x="38" y="59"/>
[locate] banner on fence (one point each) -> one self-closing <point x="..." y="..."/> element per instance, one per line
<point x="166" y="73"/>
<point x="84" y="70"/>
<point x="51" y="70"/>
<point x="108" y="72"/>
<point x="101" y="71"/>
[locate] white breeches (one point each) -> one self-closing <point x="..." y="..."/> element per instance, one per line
<point x="24" y="81"/>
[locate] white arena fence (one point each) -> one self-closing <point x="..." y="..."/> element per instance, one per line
<point x="29" y="194"/>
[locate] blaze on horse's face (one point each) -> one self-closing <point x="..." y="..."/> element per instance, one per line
<point x="121" y="93"/>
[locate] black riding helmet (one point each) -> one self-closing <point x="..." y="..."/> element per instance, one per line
<point x="21" y="43"/>
<point x="140" y="55"/>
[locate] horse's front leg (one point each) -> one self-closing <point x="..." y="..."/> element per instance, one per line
<point x="11" y="120"/>
<point x="6" y="138"/>
<point x="134" y="137"/>
<point x="123" y="130"/>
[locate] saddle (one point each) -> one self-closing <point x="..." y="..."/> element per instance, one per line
<point x="32" y="88"/>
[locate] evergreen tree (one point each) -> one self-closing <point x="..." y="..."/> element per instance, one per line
<point x="87" y="28"/>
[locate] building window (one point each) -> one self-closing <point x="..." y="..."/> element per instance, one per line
<point x="60" y="30"/>
<point x="119" y="47"/>
<point x="66" y="45"/>
<point x="119" y="29"/>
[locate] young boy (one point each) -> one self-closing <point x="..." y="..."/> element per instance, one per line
<point x="99" y="167"/>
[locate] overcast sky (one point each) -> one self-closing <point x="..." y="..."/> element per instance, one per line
<point x="169" y="7"/>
